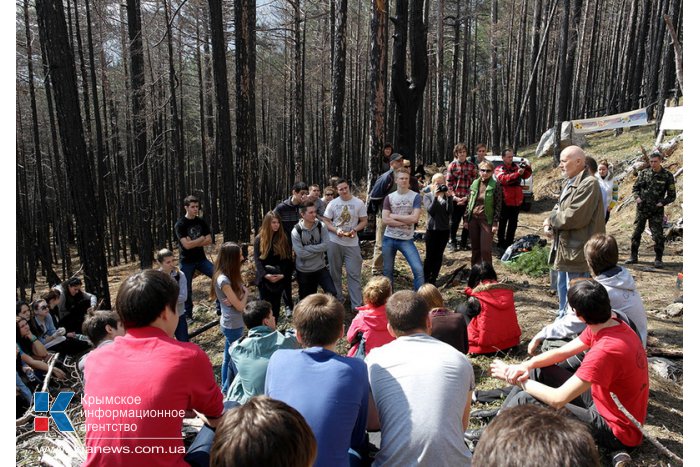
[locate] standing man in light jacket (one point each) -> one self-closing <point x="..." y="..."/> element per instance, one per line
<point x="577" y="216"/>
<point x="310" y="242"/>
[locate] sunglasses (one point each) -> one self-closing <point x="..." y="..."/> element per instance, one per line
<point x="45" y="307"/>
<point x="485" y="170"/>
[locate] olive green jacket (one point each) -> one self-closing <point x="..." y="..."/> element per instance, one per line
<point x="577" y="216"/>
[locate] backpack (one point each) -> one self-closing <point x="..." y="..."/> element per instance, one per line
<point x="297" y="229"/>
<point x="361" y="343"/>
<point x="522" y="245"/>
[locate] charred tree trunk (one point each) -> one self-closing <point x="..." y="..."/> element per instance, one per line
<point x="138" y="97"/>
<point x="246" y="128"/>
<point x="223" y="119"/>
<point x="53" y="32"/>
<point x="338" y="86"/>
<point x="41" y="224"/>
<point x="408" y="93"/>
<point x="493" y="80"/>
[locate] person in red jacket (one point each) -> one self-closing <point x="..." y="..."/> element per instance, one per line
<point x="493" y="324"/>
<point x="370" y="323"/>
<point x="509" y="176"/>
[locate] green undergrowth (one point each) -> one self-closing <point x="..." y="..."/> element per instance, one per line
<point x="532" y="263"/>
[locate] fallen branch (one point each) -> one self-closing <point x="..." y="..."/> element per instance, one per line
<point x="666" y="353"/>
<point x="651" y="439"/>
<point x="450" y="279"/>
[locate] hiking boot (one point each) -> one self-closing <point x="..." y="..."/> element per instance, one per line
<point x="452" y="247"/>
<point x="658" y="264"/>
<point x="621" y="459"/>
<point x="632" y="261"/>
<point x="485" y="413"/>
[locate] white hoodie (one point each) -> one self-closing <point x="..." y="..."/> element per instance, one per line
<point x="625" y="298"/>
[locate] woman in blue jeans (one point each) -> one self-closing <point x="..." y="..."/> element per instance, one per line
<point x="227" y="286"/>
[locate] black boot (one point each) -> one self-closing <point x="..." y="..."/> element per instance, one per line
<point x="634" y="254"/>
<point x="659" y="251"/>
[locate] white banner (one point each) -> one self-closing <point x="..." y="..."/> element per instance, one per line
<point x="608" y="122"/>
<point x="672" y="119"/>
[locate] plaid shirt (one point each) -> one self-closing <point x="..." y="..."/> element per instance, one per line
<point x="460" y="177"/>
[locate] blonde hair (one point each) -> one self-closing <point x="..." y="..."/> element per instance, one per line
<point x="377" y="291"/>
<point x="431" y="295"/>
<point x="486" y="164"/>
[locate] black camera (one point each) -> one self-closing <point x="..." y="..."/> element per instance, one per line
<point x="442" y="189"/>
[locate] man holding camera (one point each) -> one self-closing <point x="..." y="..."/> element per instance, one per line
<point x="509" y="175"/>
<point x="439" y="204"/>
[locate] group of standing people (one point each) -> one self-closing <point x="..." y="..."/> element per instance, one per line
<point x="484" y="198"/>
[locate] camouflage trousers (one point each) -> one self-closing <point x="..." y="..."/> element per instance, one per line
<point x="655" y="218"/>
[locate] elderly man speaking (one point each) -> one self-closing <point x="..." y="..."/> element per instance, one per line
<point x="578" y="215"/>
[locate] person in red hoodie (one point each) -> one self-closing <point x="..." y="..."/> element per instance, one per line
<point x="509" y="175"/>
<point x="369" y="325"/>
<point x="493" y="324"/>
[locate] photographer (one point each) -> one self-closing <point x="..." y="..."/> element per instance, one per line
<point x="509" y="175"/>
<point x="439" y="204"/>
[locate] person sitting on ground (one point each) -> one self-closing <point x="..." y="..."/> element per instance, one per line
<point x="101" y="327"/>
<point x="166" y="260"/>
<point x="329" y="390"/>
<point x="32" y="351"/>
<point x="52" y="298"/>
<point x="534" y="436"/>
<point x="616" y="363"/>
<point x="146" y="371"/>
<point x="25" y="384"/>
<point x="601" y="254"/>
<point x="263" y="431"/>
<point x="43" y="327"/>
<point x="72" y="304"/>
<point x="369" y="325"/>
<point x="447" y="326"/>
<point x="493" y="322"/>
<point x="251" y="354"/>
<point x="422" y="388"/>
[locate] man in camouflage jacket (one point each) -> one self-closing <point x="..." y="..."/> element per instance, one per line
<point x="655" y="188"/>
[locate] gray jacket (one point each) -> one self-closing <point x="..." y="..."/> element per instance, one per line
<point x="310" y="246"/>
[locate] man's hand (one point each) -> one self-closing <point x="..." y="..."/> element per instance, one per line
<point x="639" y="200"/>
<point x="521" y="171"/>
<point x="509" y="373"/>
<point x="533" y="345"/>
<point x="494" y="229"/>
<point x="58" y="373"/>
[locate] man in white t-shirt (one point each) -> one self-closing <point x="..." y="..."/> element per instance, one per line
<point x="400" y="213"/>
<point x="345" y="216"/>
<point x="422" y="389"/>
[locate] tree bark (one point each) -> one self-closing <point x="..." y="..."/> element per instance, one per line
<point x="53" y="32"/>
<point x="223" y="119"/>
<point x="408" y="93"/>
<point x="338" y="87"/>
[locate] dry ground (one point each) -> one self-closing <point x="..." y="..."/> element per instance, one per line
<point x="534" y="303"/>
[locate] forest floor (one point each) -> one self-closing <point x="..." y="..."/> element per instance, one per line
<point x="534" y="303"/>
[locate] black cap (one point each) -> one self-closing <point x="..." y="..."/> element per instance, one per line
<point x="395" y="157"/>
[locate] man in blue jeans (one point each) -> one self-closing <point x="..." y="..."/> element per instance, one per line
<point x="400" y="213"/>
<point x="193" y="234"/>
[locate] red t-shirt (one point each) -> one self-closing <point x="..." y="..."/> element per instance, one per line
<point x="136" y="392"/>
<point x="617" y="363"/>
